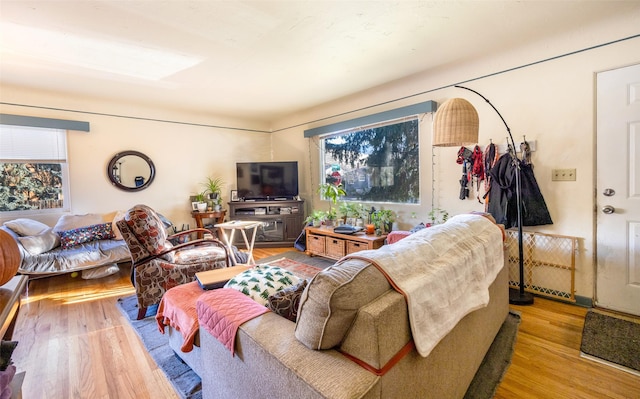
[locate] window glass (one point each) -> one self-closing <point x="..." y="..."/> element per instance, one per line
<point x="33" y="170"/>
<point x="375" y="164"/>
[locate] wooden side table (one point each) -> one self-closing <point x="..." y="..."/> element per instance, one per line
<point x="218" y="217"/>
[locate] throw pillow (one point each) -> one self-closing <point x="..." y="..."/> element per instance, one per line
<point x="286" y="301"/>
<point x="26" y="227"/>
<point x="70" y="222"/>
<point x="334" y="296"/>
<point x="41" y="243"/>
<point x="116" y="231"/>
<point x="82" y="235"/>
<point x="262" y="281"/>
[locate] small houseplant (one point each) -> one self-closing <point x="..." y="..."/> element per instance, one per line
<point x="213" y="186"/>
<point x="382" y="220"/>
<point x="332" y="192"/>
<point x="316" y="218"/>
<point x="438" y="216"/>
<point x="201" y="199"/>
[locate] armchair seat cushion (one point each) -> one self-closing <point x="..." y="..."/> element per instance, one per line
<point x="197" y="254"/>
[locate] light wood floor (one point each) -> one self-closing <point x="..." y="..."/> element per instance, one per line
<point x="74" y="343"/>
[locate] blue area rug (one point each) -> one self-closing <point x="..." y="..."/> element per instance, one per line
<point x="186" y="383"/>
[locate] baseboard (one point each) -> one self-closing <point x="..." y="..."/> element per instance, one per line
<point x="584" y="301"/>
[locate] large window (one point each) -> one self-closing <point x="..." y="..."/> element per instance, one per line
<point x="33" y="169"/>
<point x="376" y="163"/>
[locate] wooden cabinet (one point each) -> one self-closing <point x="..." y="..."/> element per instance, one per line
<point x="282" y="221"/>
<point x="323" y="241"/>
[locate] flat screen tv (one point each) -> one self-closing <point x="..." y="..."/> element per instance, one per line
<point x="267" y="180"/>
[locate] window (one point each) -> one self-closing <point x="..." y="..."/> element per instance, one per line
<point x="377" y="163"/>
<point x="33" y="169"/>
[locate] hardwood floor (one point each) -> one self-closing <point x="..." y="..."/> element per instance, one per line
<point x="74" y="343"/>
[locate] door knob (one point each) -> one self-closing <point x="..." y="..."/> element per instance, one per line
<point x="608" y="209"/>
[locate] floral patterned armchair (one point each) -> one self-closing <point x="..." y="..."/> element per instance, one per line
<point x="156" y="264"/>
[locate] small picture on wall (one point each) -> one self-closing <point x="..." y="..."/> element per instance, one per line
<point x="194" y="206"/>
<point x="234" y="195"/>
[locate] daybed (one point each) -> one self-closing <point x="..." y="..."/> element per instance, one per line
<point x="87" y="243"/>
<point x="357" y="336"/>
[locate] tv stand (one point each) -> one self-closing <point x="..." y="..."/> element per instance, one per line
<point x="282" y="220"/>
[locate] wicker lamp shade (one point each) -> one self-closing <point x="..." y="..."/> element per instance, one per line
<point x="455" y="124"/>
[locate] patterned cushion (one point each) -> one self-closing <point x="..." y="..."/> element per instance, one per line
<point x="285" y="302"/>
<point x="81" y="235"/>
<point x="262" y="281"/>
<point x="332" y="299"/>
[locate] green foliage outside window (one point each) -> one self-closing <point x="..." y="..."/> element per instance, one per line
<point x="378" y="164"/>
<point x="27" y="186"/>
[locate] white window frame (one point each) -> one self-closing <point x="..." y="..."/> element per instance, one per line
<point x="53" y="149"/>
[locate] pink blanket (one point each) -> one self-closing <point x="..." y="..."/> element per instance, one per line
<point x="222" y="311"/>
<point x="178" y="310"/>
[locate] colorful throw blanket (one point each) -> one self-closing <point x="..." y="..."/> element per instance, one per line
<point x="178" y="310"/>
<point x="444" y="272"/>
<point x="222" y="311"/>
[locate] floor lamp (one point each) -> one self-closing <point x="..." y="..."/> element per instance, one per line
<point x="456" y="123"/>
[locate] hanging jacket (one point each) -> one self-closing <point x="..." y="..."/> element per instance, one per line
<point x="503" y="199"/>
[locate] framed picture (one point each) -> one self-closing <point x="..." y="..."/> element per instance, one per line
<point x="234" y="195"/>
<point x="194" y="206"/>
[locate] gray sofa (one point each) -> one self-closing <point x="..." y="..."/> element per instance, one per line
<point x="276" y="358"/>
<point x="41" y="252"/>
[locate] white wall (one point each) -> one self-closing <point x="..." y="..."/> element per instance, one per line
<point x="551" y="102"/>
<point x="183" y="154"/>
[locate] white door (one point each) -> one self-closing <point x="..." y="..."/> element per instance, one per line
<point x="618" y="190"/>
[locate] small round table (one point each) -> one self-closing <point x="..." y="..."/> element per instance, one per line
<point x="218" y="217"/>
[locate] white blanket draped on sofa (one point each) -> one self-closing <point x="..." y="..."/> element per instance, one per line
<point x="444" y="272"/>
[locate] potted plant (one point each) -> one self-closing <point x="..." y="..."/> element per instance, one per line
<point x="331" y="192"/>
<point x="214" y="186"/>
<point x="382" y="220"/>
<point x="438" y="216"/>
<point x="316" y="218"/>
<point x="201" y="199"/>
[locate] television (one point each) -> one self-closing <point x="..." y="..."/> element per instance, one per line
<point x="264" y="181"/>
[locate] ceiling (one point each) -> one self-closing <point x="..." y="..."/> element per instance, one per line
<point x="261" y="60"/>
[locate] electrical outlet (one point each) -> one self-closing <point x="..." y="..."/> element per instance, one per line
<point x="563" y="175"/>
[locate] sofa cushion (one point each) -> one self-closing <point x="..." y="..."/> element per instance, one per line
<point x="40" y="243"/>
<point x="262" y="281"/>
<point x="81" y="235"/>
<point x="286" y="301"/>
<point x="332" y="299"/>
<point x="26" y="227"/>
<point x="70" y="222"/>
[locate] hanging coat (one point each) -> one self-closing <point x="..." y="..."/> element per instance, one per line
<point x="503" y="199"/>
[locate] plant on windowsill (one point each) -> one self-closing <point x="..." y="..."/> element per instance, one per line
<point x="333" y="193"/>
<point x="383" y="220"/>
<point x="316" y="218"/>
<point x="438" y="216"/>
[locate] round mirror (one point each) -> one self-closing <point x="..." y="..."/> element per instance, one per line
<point x="131" y="171"/>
